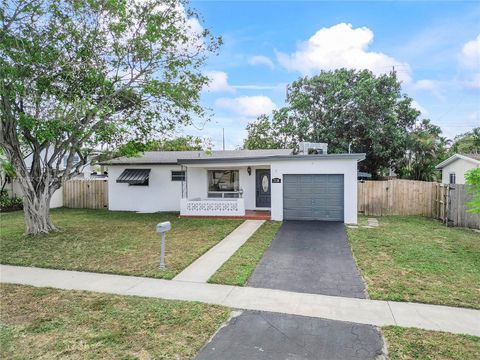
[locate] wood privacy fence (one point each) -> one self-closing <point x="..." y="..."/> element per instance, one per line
<point x="410" y="197"/>
<point x="86" y="194"/>
<point x="458" y="196"/>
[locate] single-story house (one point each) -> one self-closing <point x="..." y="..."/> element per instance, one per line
<point x="454" y="168"/>
<point x="310" y="185"/>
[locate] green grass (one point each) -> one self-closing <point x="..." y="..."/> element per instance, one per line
<point x="237" y="269"/>
<point x="419" y="259"/>
<point x="111" y="241"/>
<point x="409" y="343"/>
<point x="46" y="323"/>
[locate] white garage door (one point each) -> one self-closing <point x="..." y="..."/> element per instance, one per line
<point x="313" y="197"/>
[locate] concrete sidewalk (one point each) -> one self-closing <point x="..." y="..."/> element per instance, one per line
<point x="206" y="265"/>
<point x="362" y="311"/>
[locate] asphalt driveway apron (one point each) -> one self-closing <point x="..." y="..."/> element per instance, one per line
<point x="311" y="257"/>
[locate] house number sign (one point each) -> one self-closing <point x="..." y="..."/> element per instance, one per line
<point x="276" y="181"/>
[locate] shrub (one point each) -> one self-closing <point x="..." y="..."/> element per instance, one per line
<point x="8" y="203"/>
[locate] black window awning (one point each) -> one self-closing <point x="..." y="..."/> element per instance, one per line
<point x="134" y="176"/>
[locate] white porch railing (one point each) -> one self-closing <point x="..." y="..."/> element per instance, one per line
<point x="212" y="207"/>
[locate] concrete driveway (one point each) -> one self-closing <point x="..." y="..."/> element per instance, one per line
<point x="311" y="257"/>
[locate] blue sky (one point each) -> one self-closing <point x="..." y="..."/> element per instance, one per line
<point x="435" y="46"/>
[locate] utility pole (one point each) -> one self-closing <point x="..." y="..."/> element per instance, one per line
<point x="223" y="138"/>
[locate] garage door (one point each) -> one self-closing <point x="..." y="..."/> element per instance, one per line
<point x="313" y="197"/>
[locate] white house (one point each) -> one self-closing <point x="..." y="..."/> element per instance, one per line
<point x="311" y="185"/>
<point x="454" y="168"/>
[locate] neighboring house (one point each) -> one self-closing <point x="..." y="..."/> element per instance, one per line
<point x="13" y="187"/>
<point x="311" y="185"/>
<point x="454" y="168"/>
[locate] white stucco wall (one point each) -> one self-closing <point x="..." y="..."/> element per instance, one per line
<point x="14" y="189"/>
<point x="459" y="167"/>
<point x="57" y="199"/>
<point x="162" y="194"/>
<point x="346" y="167"/>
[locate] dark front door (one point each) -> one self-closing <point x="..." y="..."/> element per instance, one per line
<point x="263" y="197"/>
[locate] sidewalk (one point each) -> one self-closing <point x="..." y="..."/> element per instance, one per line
<point x="206" y="265"/>
<point x="362" y="311"/>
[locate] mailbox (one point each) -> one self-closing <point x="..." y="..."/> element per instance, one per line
<point x="164" y="227"/>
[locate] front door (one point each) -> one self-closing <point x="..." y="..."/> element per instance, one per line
<point x="263" y="198"/>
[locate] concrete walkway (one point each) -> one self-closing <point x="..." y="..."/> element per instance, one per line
<point x="362" y="311"/>
<point x="206" y="265"/>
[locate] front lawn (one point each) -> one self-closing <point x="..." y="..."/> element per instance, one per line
<point x="410" y="343"/>
<point x="419" y="259"/>
<point x="237" y="269"/>
<point x="111" y="241"/>
<point x="47" y="323"/>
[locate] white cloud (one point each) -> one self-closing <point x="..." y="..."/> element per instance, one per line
<point x="419" y="107"/>
<point x="249" y="106"/>
<point x="474" y="81"/>
<point x="469" y="59"/>
<point x="437" y="88"/>
<point x="341" y="46"/>
<point x="470" y="54"/>
<point x="425" y="84"/>
<point x="218" y="82"/>
<point x="261" y="60"/>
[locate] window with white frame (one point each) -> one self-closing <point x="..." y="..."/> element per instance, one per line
<point x="178" y="175"/>
<point x="223" y="181"/>
<point x="452" y="179"/>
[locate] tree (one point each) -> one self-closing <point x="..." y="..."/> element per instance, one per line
<point x="342" y="108"/>
<point x="6" y="170"/>
<point x="472" y="178"/>
<point x="182" y="143"/>
<point x="424" y="150"/>
<point x="75" y="74"/>
<point x="468" y="143"/>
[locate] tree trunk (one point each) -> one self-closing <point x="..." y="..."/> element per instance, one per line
<point x="36" y="208"/>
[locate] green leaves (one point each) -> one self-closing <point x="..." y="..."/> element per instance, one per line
<point x="342" y="107"/>
<point x="472" y="178"/>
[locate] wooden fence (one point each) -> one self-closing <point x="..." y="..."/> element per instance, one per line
<point x="86" y="194"/>
<point x="409" y="197"/>
<point x="458" y="215"/>
<point x="398" y="197"/>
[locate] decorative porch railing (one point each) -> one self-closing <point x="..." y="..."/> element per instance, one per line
<point x="212" y="207"/>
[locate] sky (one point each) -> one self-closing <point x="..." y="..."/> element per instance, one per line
<point x="433" y="46"/>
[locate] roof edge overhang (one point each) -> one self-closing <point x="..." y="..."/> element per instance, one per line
<point x="137" y="163"/>
<point x="453" y="158"/>
<point x="357" y="157"/>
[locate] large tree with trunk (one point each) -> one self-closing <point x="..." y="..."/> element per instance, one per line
<point x="75" y="74"/>
<point x="346" y="109"/>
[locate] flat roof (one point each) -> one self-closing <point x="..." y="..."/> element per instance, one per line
<point x="173" y="157"/>
<point x="357" y="157"/>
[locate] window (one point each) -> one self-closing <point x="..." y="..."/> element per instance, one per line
<point x="223" y="180"/>
<point x="452" y="178"/>
<point x="178" y="175"/>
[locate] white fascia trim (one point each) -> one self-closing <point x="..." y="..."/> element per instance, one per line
<point x="456" y="157"/>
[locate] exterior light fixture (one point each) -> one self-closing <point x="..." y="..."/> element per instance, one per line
<point x="162" y="228"/>
<point x="249" y="171"/>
